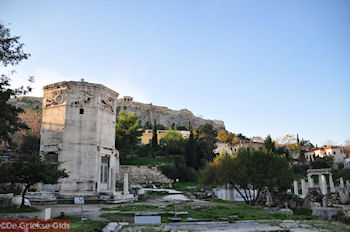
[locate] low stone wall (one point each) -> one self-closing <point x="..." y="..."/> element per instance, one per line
<point x="142" y="174"/>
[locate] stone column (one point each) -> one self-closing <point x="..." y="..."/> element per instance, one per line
<point x="296" y="187"/>
<point x="303" y="188"/>
<point x="341" y="180"/>
<point x="320" y="182"/>
<point x="331" y="184"/>
<point x="117" y="165"/>
<point x="227" y="192"/>
<point x="323" y="185"/>
<point x="310" y="181"/>
<point x="126" y="184"/>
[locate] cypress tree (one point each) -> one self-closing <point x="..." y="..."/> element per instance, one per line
<point x="154" y="136"/>
<point x="190" y="149"/>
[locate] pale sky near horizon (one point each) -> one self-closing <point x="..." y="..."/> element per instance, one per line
<point x="263" y="67"/>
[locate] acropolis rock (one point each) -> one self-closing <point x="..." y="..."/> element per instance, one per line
<point x="164" y="115"/>
<point x="145" y="112"/>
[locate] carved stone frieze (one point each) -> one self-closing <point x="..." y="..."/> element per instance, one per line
<point x="54" y="97"/>
<point x="107" y="103"/>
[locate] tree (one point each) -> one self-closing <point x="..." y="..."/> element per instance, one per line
<point x="250" y="170"/>
<point x="11" y="53"/>
<point x="127" y="133"/>
<point x="172" y="142"/>
<point x="269" y="144"/>
<point x="154" y="136"/>
<point x="31" y="171"/>
<point x="30" y="145"/>
<point x="205" y="136"/>
<point x="324" y="162"/>
<point x="190" y="150"/>
<point x="200" y="146"/>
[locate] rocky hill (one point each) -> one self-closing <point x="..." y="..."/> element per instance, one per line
<point x="164" y="115"/>
<point x="145" y="112"/>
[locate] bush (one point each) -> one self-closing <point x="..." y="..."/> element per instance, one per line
<point x="319" y="162"/>
<point x="345" y="173"/>
<point x="300" y="169"/>
<point x="178" y="170"/>
<point x="169" y="170"/>
<point x="191" y="174"/>
<point x="144" y="150"/>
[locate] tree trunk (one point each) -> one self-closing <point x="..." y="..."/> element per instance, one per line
<point x="256" y="197"/>
<point x="245" y="200"/>
<point x="23" y="194"/>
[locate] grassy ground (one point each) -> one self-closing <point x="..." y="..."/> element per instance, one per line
<point x="86" y="226"/>
<point x="219" y="210"/>
<point x="139" y="161"/>
<point x="132" y="208"/>
<point x="330" y="226"/>
<point x="184" y="186"/>
<point x="17" y="210"/>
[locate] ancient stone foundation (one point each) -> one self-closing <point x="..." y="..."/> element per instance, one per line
<point x="143" y="174"/>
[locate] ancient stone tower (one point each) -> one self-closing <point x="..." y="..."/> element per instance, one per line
<point x="78" y="130"/>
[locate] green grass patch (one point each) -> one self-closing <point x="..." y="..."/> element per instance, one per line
<point x="184" y="185"/>
<point x="140" y="161"/>
<point x="131" y="208"/>
<point x="86" y="226"/>
<point x="118" y="217"/>
<point x="303" y="212"/>
<point x="243" y="212"/>
<point x="235" y="211"/>
<point x="18" y="210"/>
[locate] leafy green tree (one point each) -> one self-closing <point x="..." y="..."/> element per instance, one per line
<point x="30" y="145"/>
<point x="11" y="53"/>
<point x="127" y="133"/>
<point x="205" y="139"/>
<point x="154" y="136"/>
<point x="200" y="146"/>
<point x="250" y="170"/>
<point x="172" y="142"/>
<point x="31" y="171"/>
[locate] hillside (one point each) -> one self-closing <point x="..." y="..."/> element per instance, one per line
<point x="145" y="112"/>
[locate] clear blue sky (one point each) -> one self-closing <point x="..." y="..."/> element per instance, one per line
<point x="264" y="67"/>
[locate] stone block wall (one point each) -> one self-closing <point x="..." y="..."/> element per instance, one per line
<point x="142" y="174"/>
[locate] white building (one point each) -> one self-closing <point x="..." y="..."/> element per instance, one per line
<point x="221" y="148"/>
<point x="328" y="151"/>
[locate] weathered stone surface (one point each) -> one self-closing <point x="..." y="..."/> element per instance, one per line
<point x="286" y="211"/>
<point x="165" y="116"/>
<point x="78" y="130"/>
<point x="147" y="219"/>
<point x="326" y="213"/>
<point x="288" y="224"/>
<point x="143" y="174"/>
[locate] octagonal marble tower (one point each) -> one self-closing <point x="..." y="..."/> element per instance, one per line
<point x="78" y="131"/>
